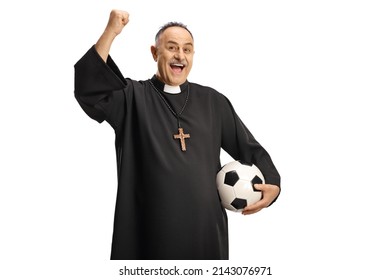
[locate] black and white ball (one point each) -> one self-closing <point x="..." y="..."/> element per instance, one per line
<point x="235" y="184"/>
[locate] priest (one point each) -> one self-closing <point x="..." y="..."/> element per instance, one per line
<point x="169" y="134"/>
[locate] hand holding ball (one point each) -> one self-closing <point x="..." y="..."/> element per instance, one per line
<point x="235" y="184"/>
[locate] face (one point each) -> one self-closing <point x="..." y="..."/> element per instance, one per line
<point x="174" y="54"/>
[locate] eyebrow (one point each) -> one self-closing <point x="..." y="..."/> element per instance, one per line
<point x="173" y="42"/>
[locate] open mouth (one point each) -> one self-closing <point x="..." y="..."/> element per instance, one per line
<point x="177" y="67"/>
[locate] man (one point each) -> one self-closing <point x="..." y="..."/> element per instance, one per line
<point x="169" y="133"/>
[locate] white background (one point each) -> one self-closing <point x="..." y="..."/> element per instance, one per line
<point x="309" y="78"/>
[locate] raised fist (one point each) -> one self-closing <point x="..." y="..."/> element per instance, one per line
<point x="118" y="20"/>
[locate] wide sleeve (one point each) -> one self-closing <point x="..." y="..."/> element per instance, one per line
<point x="239" y="143"/>
<point x="100" y="88"/>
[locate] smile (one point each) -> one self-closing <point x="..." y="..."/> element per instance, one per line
<point x="177" y="67"/>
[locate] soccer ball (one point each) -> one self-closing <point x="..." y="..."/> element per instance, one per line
<point x="235" y="184"/>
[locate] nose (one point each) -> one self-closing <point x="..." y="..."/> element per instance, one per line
<point x="179" y="54"/>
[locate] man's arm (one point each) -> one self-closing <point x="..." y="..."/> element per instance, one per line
<point x="117" y="21"/>
<point x="238" y="142"/>
<point x="94" y="94"/>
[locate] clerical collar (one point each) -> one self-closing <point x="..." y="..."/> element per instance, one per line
<point x="167" y="88"/>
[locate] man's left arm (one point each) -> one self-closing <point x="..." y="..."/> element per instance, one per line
<point x="238" y="141"/>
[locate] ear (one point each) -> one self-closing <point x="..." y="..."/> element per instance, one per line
<point x="153" y="50"/>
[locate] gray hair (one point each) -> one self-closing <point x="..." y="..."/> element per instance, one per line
<point x="171" y="24"/>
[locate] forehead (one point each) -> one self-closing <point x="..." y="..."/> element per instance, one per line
<point x="176" y="34"/>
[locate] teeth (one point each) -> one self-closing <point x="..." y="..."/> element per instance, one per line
<point x="177" y="64"/>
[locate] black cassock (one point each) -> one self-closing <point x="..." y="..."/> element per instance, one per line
<point x="167" y="202"/>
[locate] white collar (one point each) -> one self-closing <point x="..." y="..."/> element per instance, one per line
<point x="172" y="89"/>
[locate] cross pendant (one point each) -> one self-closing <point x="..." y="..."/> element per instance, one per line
<point x="182" y="136"/>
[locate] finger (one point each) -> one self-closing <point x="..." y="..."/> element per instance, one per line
<point x="263" y="187"/>
<point x="270" y="191"/>
<point x="126" y="18"/>
<point x="259" y="187"/>
<point x="254" y="208"/>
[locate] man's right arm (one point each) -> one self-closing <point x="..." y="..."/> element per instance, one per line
<point x="98" y="88"/>
<point x="117" y="21"/>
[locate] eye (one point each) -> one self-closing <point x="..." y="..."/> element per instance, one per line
<point x="187" y="50"/>
<point x="172" y="48"/>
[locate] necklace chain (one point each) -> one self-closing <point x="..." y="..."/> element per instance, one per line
<point x="177" y="115"/>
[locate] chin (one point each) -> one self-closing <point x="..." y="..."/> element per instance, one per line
<point x="177" y="82"/>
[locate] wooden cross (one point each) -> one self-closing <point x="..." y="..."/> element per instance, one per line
<point x="182" y="136"/>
